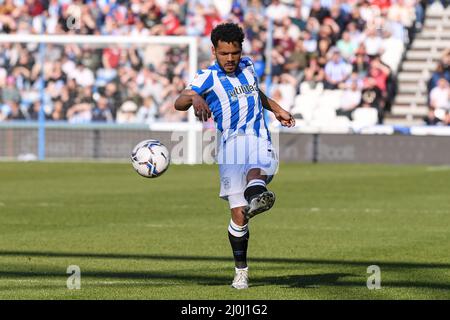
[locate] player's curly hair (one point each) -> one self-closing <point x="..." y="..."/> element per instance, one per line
<point x="227" y="32"/>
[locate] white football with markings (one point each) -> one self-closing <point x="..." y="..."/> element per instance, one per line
<point x="150" y="158"/>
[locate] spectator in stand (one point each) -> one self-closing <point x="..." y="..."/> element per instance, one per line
<point x="383" y="5"/>
<point x="237" y="14"/>
<point x="148" y="112"/>
<point x="329" y="30"/>
<point x="80" y="113"/>
<point x="373" y="42"/>
<point x="212" y="19"/>
<point x="356" y="36"/>
<point x="10" y="93"/>
<point x="297" y="61"/>
<point x="357" y="19"/>
<point x="323" y="52"/>
<point x="15" y="112"/>
<point x="285" y="35"/>
<point x="380" y="72"/>
<point x="336" y="70"/>
<point x="372" y="97"/>
<point x="314" y="78"/>
<point x="439" y="73"/>
<point x="278" y="60"/>
<point x="195" y="24"/>
<point x="139" y="28"/>
<point x="361" y="63"/>
<point x="313" y="27"/>
<point x="4" y="110"/>
<point x="309" y="42"/>
<point x="171" y="22"/>
<point x="339" y="16"/>
<point x="127" y="112"/>
<point x="58" y="113"/>
<point x="354" y="78"/>
<point x="82" y="75"/>
<point x="102" y="111"/>
<point x="350" y="100"/>
<point x="255" y="7"/>
<point x="300" y="13"/>
<point x="392" y="50"/>
<point x="369" y="13"/>
<point x="405" y="14"/>
<point x="446" y="59"/>
<point x="291" y="30"/>
<point x="430" y="119"/>
<point x="447" y="119"/>
<point x="420" y="14"/>
<point x="277" y="10"/>
<point x="440" y="95"/>
<point x="319" y="12"/>
<point x="346" y="46"/>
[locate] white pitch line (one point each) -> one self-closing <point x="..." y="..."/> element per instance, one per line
<point x="88" y="282"/>
<point x="438" y="168"/>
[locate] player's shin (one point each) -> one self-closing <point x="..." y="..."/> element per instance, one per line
<point x="238" y="236"/>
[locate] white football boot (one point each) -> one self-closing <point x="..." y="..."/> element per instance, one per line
<point x="259" y="204"/>
<point x="240" y="279"/>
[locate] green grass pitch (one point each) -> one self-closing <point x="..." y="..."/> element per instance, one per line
<point x="166" y="238"/>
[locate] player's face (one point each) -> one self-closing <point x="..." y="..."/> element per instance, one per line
<point x="228" y="55"/>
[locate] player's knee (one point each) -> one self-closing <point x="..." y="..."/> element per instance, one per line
<point x="237" y="215"/>
<point x="255" y="174"/>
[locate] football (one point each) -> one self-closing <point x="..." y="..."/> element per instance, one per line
<point x="150" y="158"/>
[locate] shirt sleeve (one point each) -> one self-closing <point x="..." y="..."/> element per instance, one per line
<point x="247" y="62"/>
<point x="202" y="82"/>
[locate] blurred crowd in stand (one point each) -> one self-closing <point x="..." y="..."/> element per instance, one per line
<point x="320" y="47"/>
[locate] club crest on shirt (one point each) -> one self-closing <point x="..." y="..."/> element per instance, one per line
<point x="226" y="182"/>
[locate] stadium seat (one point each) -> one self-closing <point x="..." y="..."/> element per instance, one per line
<point x="440" y="113"/>
<point x="331" y="99"/>
<point x="306" y="89"/>
<point x="430" y="130"/>
<point x="305" y="105"/>
<point x="339" y="125"/>
<point x="324" y="114"/>
<point x="363" y="117"/>
<point x="378" y="129"/>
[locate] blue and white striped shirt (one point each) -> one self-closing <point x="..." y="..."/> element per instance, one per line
<point x="233" y="99"/>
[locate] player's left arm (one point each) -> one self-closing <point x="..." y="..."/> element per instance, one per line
<point x="286" y="119"/>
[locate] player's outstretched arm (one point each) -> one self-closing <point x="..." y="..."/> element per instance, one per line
<point x="286" y="119"/>
<point x="190" y="98"/>
<point x="184" y="100"/>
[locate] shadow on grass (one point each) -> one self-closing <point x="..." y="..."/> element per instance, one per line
<point x="146" y="279"/>
<point x="117" y="279"/>
<point x="386" y="264"/>
<point x="305" y="281"/>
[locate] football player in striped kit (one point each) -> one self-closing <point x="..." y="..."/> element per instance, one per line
<point x="229" y="92"/>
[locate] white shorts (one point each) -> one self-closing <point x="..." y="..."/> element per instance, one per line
<point x="236" y="157"/>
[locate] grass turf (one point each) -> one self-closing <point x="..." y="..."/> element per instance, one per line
<point x="166" y="238"/>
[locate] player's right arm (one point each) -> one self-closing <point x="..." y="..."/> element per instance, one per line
<point x="190" y="98"/>
<point x="192" y="95"/>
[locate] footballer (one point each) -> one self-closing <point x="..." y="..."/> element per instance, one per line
<point x="229" y="92"/>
